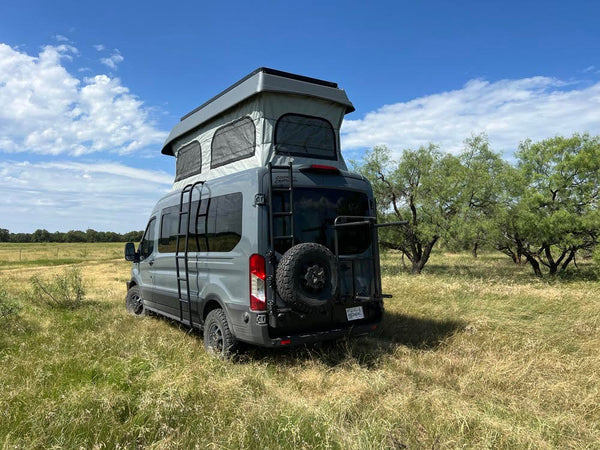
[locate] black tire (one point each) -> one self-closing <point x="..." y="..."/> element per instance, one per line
<point x="218" y="338"/>
<point x="307" y="277"/>
<point x="134" y="303"/>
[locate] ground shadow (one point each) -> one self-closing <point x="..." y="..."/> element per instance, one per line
<point x="396" y="330"/>
<point x="417" y="332"/>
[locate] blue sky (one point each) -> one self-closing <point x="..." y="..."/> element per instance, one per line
<point x="89" y="90"/>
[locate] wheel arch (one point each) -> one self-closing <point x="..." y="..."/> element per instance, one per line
<point x="213" y="303"/>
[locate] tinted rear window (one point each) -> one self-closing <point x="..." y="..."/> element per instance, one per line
<point x="314" y="213"/>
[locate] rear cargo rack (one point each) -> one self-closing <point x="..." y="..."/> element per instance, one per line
<point x="371" y="221"/>
<point x="340" y="222"/>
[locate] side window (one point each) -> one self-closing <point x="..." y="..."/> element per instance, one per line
<point x="233" y="142"/>
<point x="307" y="136"/>
<point x="168" y="230"/>
<point x="189" y="160"/>
<point x="224" y="222"/>
<point x="218" y="231"/>
<point x="147" y="244"/>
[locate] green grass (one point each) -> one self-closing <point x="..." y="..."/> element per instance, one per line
<point x="473" y="353"/>
<point x="54" y="254"/>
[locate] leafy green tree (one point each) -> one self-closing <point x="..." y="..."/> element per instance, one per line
<point x="20" y="237"/>
<point x="133" y="236"/>
<point x="4" y="235"/>
<point x="91" y="235"/>
<point x="75" y="236"/>
<point x="554" y="211"/>
<point x="421" y="188"/>
<point x="443" y="197"/>
<point x="40" y="235"/>
<point x="57" y="236"/>
<point x="482" y="190"/>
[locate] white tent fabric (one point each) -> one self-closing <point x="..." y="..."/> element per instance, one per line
<point x="263" y="109"/>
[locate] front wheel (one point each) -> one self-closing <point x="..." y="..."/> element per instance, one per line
<point x="134" y="303"/>
<point x="218" y="338"/>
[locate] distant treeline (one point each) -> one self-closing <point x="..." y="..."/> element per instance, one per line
<point x="70" y="236"/>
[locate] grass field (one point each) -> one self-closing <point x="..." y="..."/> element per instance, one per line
<point x="473" y="353"/>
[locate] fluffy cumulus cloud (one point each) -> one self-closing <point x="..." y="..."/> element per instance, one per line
<point x="45" y="109"/>
<point x="509" y="111"/>
<point x="60" y="196"/>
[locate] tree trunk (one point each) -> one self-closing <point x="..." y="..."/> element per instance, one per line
<point x="419" y="263"/>
<point x="570" y="258"/>
<point x="475" y="246"/>
<point x="534" y="264"/>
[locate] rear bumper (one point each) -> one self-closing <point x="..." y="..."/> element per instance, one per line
<point x="313" y="337"/>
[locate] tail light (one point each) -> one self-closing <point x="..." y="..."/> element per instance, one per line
<point x="319" y="168"/>
<point x="258" y="295"/>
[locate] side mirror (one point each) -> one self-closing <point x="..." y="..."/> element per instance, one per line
<point x="130" y="253"/>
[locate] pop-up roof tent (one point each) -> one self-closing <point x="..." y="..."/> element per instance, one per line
<point x="268" y="116"/>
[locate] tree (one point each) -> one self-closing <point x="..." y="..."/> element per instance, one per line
<point x="91" y="235"/>
<point x="556" y="213"/>
<point x="422" y="188"/>
<point x="75" y="236"/>
<point x="482" y="192"/>
<point x="40" y="235"/>
<point x="4" y="235"/>
<point x="133" y="236"/>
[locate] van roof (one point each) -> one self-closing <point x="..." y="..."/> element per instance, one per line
<point x="262" y="79"/>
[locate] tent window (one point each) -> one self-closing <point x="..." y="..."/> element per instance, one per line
<point x="233" y="142"/>
<point x="189" y="161"/>
<point x="307" y="136"/>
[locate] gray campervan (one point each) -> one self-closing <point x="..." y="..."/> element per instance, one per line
<point x="266" y="237"/>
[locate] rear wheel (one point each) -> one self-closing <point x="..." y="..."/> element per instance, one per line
<point x="218" y="338"/>
<point x="134" y="303"/>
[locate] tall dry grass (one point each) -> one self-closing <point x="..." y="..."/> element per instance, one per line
<point x="475" y="354"/>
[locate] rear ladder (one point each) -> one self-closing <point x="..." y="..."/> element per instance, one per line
<point x="290" y="213"/>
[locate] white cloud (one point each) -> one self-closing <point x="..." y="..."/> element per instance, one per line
<point x="60" y="196"/>
<point x="99" y="47"/>
<point x="113" y="60"/>
<point x="61" y="38"/>
<point x="45" y="109"/>
<point x="509" y="111"/>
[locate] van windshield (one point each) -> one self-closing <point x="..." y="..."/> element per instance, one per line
<point x="315" y="211"/>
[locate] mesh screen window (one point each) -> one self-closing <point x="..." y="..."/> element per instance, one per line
<point x="233" y="142"/>
<point x="189" y="161"/>
<point x="305" y="136"/>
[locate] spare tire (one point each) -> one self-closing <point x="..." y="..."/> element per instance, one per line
<point x="307" y="277"/>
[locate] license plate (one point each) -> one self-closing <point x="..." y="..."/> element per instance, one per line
<point x="355" y="313"/>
